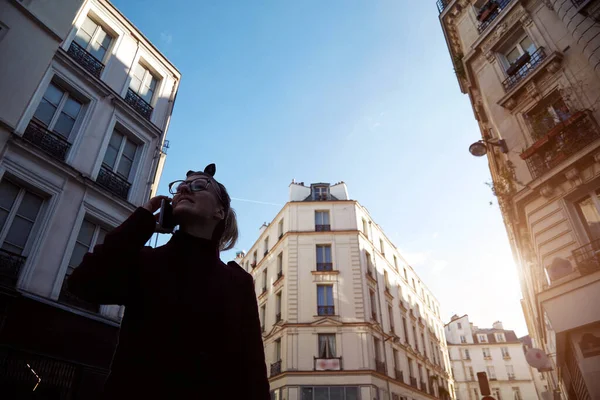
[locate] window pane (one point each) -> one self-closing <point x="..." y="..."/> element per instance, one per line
<point x="513" y="55"/>
<point x="139" y="71"/>
<point x="124" y="167"/>
<point x="64" y="125"/>
<point x="307" y="393"/>
<point x="30" y="206"/>
<point x="116" y="139"/>
<point x="590" y="217"/>
<point x="336" y="393"/>
<point x="72" y="107"/>
<point x="53" y="94"/>
<point x="86" y="233"/>
<point x="83" y="38"/>
<point x="135" y="84"/>
<point x="110" y="157"/>
<point x="101" y="235"/>
<point x="351" y="393"/>
<point x="527" y="45"/>
<point x="45" y="112"/>
<point x="327" y="250"/>
<point x="321" y="393"/>
<point x="329" y="290"/>
<point x="129" y="149"/>
<point x="19" y="232"/>
<point x="3" y="216"/>
<point x="97" y="51"/>
<point x="79" y="251"/>
<point x="88" y="26"/>
<point x="8" y="194"/>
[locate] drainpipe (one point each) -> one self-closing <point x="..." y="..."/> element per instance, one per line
<point x="387" y="381"/>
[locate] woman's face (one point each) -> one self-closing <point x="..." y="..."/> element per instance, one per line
<point x="201" y="204"/>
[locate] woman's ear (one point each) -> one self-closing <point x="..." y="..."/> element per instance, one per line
<point x="220" y="214"/>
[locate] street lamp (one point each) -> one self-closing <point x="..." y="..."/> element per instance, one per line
<point x="479" y="148"/>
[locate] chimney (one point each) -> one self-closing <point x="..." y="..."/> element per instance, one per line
<point x="454" y="317"/>
<point x="498" y="325"/>
<point x="263" y="228"/>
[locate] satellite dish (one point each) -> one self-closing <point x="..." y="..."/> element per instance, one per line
<point x="538" y="359"/>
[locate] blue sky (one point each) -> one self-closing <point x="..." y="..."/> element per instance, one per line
<point x="358" y="91"/>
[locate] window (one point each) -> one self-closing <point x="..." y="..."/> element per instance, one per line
<point x="486" y="352"/>
<point x="278" y="307"/>
<point x="476" y="393"/>
<point x="381" y="246"/>
<point x="19" y="209"/>
<point x="364" y="227"/>
<point x="120" y="156"/>
<point x="386" y="279"/>
<point x="324" y="258"/>
<point x="510" y="371"/>
<point x="405" y="329"/>
<point x="414" y="285"/>
<point x="322" y="221"/>
<point x="470" y="373"/>
<point x="496" y="393"/>
<point x="491" y="372"/>
<point x="369" y="264"/>
<point x="58" y="110"/>
<point x="280" y="228"/>
<point x="143" y="83"/>
<point x="588" y="209"/>
<point x="405" y="275"/>
<point x="424" y="345"/>
<point x="373" y="305"/>
<point x="264" y="279"/>
<point x="93" y="38"/>
<point x="263" y="314"/>
<point x="325" y="300"/>
<point x="396" y="263"/>
<point x="459" y="325"/>
<point x="391" y="317"/>
<point x="467" y="354"/>
<point x="420" y="375"/>
<point x="410" y="367"/>
<point x="482" y="338"/>
<point x="524" y="45"/>
<point x="416" y="338"/>
<point x="463" y="339"/>
<point x="517" y="393"/>
<point x="280" y="265"/>
<point x="329" y="393"/>
<point x="278" y="350"/>
<point x="500" y="337"/>
<point x="320" y="193"/>
<point x="548" y="113"/>
<point x="327" y="345"/>
<point x="266" y="243"/>
<point x="377" y="343"/>
<point x="254" y="258"/>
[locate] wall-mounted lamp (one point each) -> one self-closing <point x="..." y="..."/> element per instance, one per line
<point x="479" y="148"/>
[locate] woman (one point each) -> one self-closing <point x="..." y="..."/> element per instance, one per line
<point x="191" y="328"/>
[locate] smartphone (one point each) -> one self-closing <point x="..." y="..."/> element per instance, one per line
<point x="166" y="221"/>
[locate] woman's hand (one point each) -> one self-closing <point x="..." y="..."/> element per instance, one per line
<point x="153" y="205"/>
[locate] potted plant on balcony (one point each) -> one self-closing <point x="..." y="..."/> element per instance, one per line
<point x="487" y="10"/>
<point x="519" y="62"/>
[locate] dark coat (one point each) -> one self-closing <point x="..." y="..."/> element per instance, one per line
<point x="191" y="328"/>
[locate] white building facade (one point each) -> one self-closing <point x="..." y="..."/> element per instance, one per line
<point x="343" y="314"/>
<point x="83" y="120"/>
<point x="497" y="352"/>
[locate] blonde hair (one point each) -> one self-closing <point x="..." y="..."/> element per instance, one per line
<point x="230" y="234"/>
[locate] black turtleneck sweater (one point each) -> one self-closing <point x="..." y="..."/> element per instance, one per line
<point x="191" y="328"/>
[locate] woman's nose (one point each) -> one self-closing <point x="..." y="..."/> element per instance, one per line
<point x="184" y="188"/>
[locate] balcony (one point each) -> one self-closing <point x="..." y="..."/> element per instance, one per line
<point x="399" y="375"/>
<point x="90" y="63"/>
<point x="523" y="67"/>
<point x="113" y="182"/>
<point x="10" y="266"/>
<point x="442" y="4"/>
<point x="323" y="267"/>
<point x="380" y="367"/>
<point x="326" y="310"/>
<point x="328" y="364"/>
<point x="413" y="382"/>
<point x="140" y="105"/>
<point x="50" y="142"/>
<point x="562" y="141"/>
<point x="322" y="228"/>
<point x="512" y="377"/>
<point x="276" y="368"/>
<point x="67" y="297"/>
<point x="587" y="257"/>
<point x="489" y="12"/>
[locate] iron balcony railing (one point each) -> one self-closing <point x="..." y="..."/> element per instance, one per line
<point x="587" y="257"/>
<point x="535" y="60"/>
<point x="380" y="367"/>
<point x="90" y="63"/>
<point x="442" y="4"/>
<point x="490" y="12"/>
<point x="10" y="266"/>
<point x="55" y="145"/>
<point x="140" y="105"/>
<point x="324" y="266"/>
<point x="565" y="139"/>
<point x="323" y="228"/>
<point x="69" y="298"/>
<point x="399" y="375"/>
<point x="276" y="368"/>
<point x="325" y="310"/>
<point x="113" y="182"/>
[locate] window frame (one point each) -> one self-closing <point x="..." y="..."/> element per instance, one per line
<point x="515" y="43"/>
<point x="326" y="287"/>
<point x="67" y="93"/>
<point x="322" y="213"/>
<point x="148" y="73"/>
<point x="100" y="26"/>
<point x="126" y="137"/>
<point x="328" y="352"/>
<point x="480" y="340"/>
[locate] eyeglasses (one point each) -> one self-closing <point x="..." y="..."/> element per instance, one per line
<point x="195" y="186"/>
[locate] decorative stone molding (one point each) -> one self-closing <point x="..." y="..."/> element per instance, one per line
<point x="511" y="104"/>
<point x="554" y="66"/>
<point x="597" y="157"/>
<point x="574" y="176"/>
<point x="547" y="190"/>
<point x="548" y="3"/>
<point x="526" y="19"/>
<point x="532" y="89"/>
<point x="490" y="56"/>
